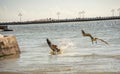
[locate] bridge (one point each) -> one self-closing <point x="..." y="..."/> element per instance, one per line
<point x="61" y="20"/>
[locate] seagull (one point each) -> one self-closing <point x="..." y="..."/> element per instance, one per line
<point x="53" y="47"/>
<point x="92" y="38"/>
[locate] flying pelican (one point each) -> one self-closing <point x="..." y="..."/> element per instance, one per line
<point x="92" y="38"/>
<point x="54" y="48"/>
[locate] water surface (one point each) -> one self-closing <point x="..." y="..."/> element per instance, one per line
<point x="79" y="53"/>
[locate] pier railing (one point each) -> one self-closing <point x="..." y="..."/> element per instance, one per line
<point x="61" y="20"/>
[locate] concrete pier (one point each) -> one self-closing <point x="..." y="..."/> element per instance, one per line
<point x="8" y="46"/>
<point x="50" y="20"/>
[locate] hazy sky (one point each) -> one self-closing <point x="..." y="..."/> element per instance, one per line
<point x="42" y="9"/>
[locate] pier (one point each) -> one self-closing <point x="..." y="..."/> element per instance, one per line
<point x="60" y="20"/>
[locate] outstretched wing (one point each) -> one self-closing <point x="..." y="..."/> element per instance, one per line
<point x="86" y="34"/>
<point x="52" y="46"/>
<point x="103" y="41"/>
<point x="48" y="42"/>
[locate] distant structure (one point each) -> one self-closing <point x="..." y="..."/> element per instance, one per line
<point x="118" y="11"/>
<point x="20" y="15"/>
<point x="61" y="20"/>
<point x="83" y="12"/>
<point x="112" y="12"/>
<point x="80" y="14"/>
<point x="58" y="13"/>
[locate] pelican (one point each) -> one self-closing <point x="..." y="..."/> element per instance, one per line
<point x="92" y="38"/>
<point x="54" y="48"/>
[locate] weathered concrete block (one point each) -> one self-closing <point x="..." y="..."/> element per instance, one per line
<point x="8" y="46"/>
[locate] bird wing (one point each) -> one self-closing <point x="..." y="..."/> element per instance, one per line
<point x="103" y="41"/>
<point x="48" y="42"/>
<point x="52" y="46"/>
<point x="87" y="34"/>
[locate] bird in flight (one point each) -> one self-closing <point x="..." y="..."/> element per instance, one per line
<point x="92" y="38"/>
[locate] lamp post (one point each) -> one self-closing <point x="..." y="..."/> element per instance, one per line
<point x="112" y="12"/>
<point x="58" y="13"/>
<point x="83" y="12"/>
<point x="20" y="15"/>
<point x="80" y="13"/>
<point x="118" y="11"/>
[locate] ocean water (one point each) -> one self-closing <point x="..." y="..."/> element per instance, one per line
<point x="79" y="54"/>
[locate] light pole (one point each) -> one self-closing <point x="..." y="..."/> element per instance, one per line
<point x="20" y="15"/>
<point x="58" y="13"/>
<point x="112" y="12"/>
<point x="118" y="11"/>
<point x="80" y="13"/>
<point x="83" y="12"/>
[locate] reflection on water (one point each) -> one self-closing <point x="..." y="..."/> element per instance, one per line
<point x="12" y="56"/>
<point x="79" y="55"/>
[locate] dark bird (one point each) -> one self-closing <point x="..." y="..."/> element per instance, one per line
<point x="53" y="47"/>
<point x="92" y="38"/>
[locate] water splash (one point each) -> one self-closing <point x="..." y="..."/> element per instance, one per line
<point x="65" y="44"/>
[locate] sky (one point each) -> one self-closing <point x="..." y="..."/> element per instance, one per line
<point x="43" y="9"/>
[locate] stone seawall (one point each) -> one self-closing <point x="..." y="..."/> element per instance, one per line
<point x="8" y="46"/>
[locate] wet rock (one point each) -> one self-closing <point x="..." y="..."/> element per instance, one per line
<point x="8" y="46"/>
